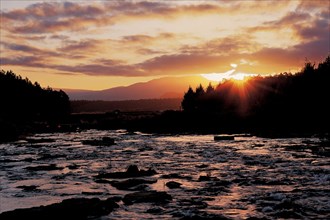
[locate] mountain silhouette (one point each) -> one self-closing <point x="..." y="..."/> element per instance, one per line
<point x="166" y="87"/>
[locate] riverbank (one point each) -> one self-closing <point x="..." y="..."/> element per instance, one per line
<point x="169" y="122"/>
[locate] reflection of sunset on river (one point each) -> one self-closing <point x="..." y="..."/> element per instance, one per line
<point x="151" y="109"/>
<point x="232" y="178"/>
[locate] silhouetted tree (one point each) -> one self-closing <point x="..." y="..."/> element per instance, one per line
<point x="209" y="89"/>
<point x="297" y="100"/>
<point x="188" y="102"/>
<point x="200" y="90"/>
<point x="21" y="99"/>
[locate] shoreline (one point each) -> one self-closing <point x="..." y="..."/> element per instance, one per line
<point x="168" y="122"/>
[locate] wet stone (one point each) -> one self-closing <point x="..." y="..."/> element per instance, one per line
<point x="73" y="166"/>
<point x="37" y="141"/>
<point x="28" y="188"/>
<point x="132" y="171"/>
<point x="105" y="141"/>
<point x="147" y="196"/>
<point x="193" y="202"/>
<point x="212" y="190"/>
<point x="173" y="185"/>
<point x="288" y="214"/>
<point x="267" y="209"/>
<point x="155" y="210"/>
<point x="29" y="159"/>
<point x="51" y="156"/>
<point x="102" y="181"/>
<point x="130" y="184"/>
<point x="44" y="168"/>
<point x="198" y="215"/>
<point x="92" y="193"/>
<point x="288" y="204"/>
<point x="207" y="178"/>
<point x="257" y="218"/>
<point x="202" y="166"/>
<point x="175" y="176"/>
<point x="77" y="208"/>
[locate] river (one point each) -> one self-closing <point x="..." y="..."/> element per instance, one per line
<point x="246" y="177"/>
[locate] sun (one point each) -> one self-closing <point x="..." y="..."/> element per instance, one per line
<point x="231" y="74"/>
<point x="221" y="76"/>
<point x="239" y="76"/>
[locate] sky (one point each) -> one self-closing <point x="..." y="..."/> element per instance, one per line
<point x="102" y="44"/>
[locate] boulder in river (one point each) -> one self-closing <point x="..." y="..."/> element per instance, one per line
<point x="173" y="185"/>
<point x="76" y="208"/>
<point x="132" y="171"/>
<point x="130" y="184"/>
<point x="44" y="168"/>
<point x="105" y="141"/>
<point x="29" y="188"/>
<point x="224" y="137"/>
<point x="147" y="196"/>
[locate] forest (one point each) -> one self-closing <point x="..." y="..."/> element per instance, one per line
<point x="278" y="105"/>
<point x="302" y="94"/>
<point x="24" y="103"/>
<point x="284" y="103"/>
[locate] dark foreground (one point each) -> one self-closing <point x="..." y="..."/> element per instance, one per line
<point x="146" y="176"/>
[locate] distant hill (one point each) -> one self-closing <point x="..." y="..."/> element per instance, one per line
<point x="166" y="87"/>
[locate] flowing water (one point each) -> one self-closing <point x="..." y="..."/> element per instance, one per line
<point x="247" y="177"/>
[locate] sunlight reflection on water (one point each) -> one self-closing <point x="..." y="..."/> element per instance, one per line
<point x="239" y="179"/>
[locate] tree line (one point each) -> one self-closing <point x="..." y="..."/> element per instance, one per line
<point x="24" y="102"/>
<point x="21" y="98"/>
<point x="284" y="99"/>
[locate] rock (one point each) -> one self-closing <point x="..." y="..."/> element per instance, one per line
<point x="218" y="182"/>
<point x="29" y="159"/>
<point x="73" y="166"/>
<point x="116" y="198"/>
<point x="77" y="208"/>
<point x="223" y="137"/>
<point x="207" y="178"/>
<point x="155" y="210"/>
<point x="173" y="185"/>
<point x="42" y="140"/>
<point x="142" y="187"/>
<point x="132" y="171"/>
<point x="212" y="190"/>
<point x="288" y="214"/>
<point x="91" y="193"/>
<point x="277" y="196"/>
<point x="197" y="203"/>
<point x="44" y="168"/>
<point x="267" y="209"/>
<point x="105" y="141"/>
<point x="145" y="148"/>
<point x="202" y="166"/>
<point x="288" y="209"/>
<point x="51" y="156"/>
<point x="128" y="184"/>
<point x="288" y="204"/>
<point x="204" y="216"/>
<point x="175" y="176"/>
<point x="257" y="218"/>
<point x="147" y="196"/>
<point x="28" y="188"/>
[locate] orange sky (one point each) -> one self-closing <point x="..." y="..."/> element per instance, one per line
<point x="102" y="44"/>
